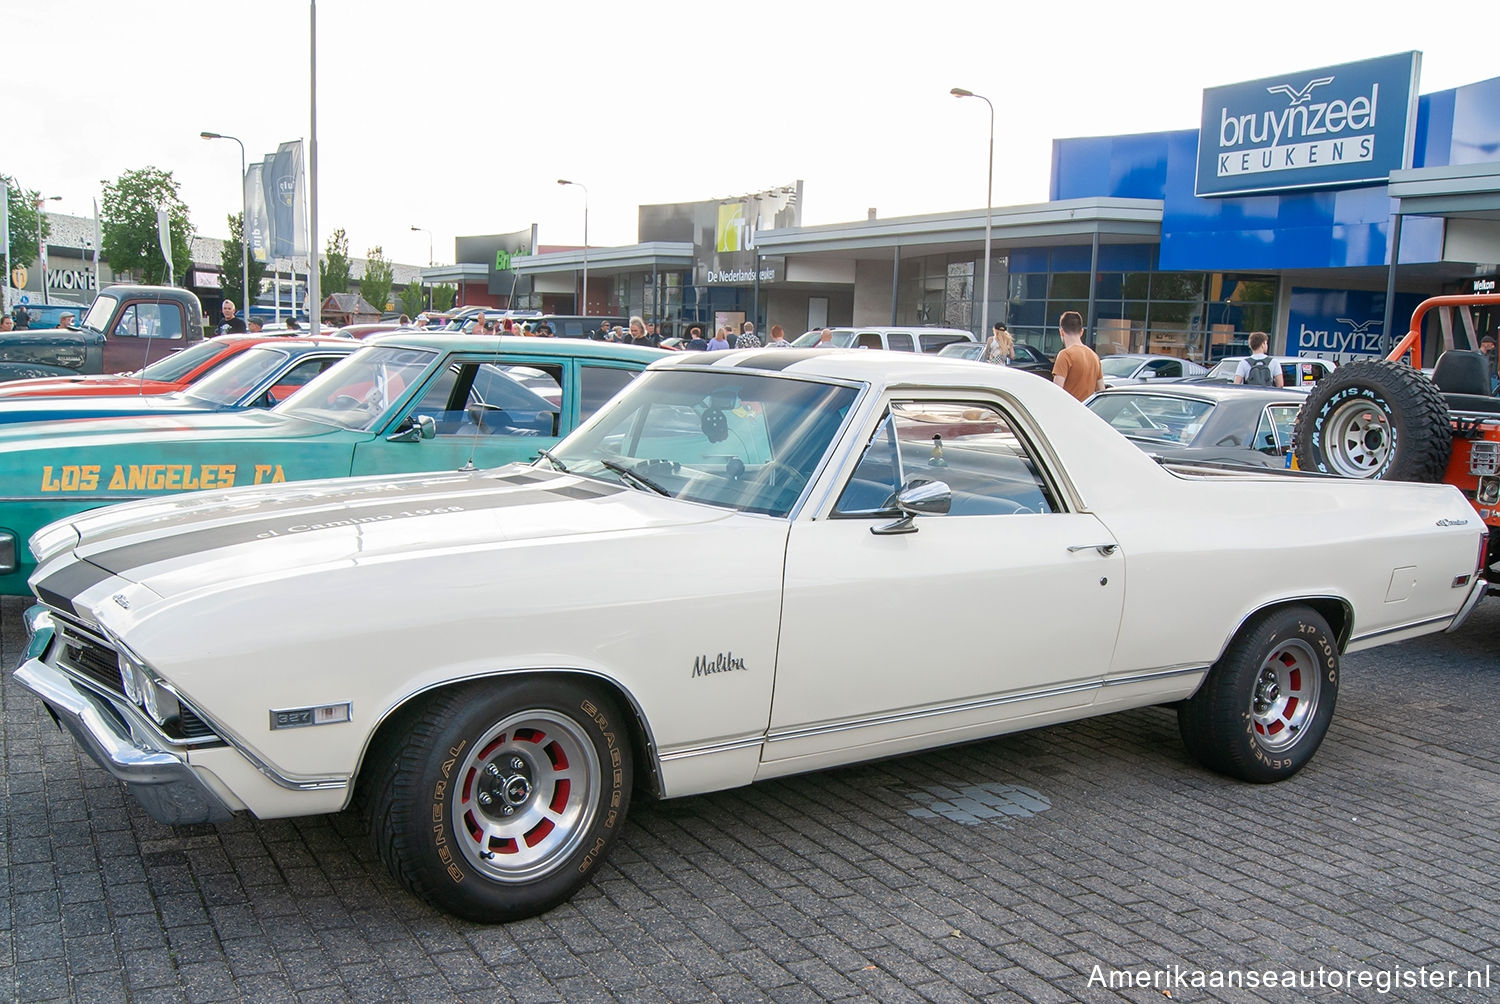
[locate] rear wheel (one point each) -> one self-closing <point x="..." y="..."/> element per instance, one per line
<point x="1265" y="706"/>
<point x="496" y="800"/>
<point x="1375" y="419"/>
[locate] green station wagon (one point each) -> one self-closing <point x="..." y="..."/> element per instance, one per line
<point x="405" y="403"/>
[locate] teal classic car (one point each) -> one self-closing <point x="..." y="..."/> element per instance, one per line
<point x="404" y="403"/>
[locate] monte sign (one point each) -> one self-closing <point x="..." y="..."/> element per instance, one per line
<point x="1339" y="125"/>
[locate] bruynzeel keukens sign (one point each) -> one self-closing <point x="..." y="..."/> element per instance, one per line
<point x="1339" y="125"/>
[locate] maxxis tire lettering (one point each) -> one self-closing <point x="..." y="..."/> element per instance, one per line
<point x="1414" y="415"/>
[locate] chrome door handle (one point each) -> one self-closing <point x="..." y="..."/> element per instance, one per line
<point x="1105" y="549"/>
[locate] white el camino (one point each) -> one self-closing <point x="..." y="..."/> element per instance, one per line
<point x="747" y="565"/>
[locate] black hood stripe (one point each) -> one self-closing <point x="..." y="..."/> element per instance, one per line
<point x="58" y="589"/>
<point x="334" y="491"/>
<point x="773" y="360"/>
<point x="189" y="542"/>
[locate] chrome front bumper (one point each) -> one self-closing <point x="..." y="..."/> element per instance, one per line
<point x="160" y="779"/>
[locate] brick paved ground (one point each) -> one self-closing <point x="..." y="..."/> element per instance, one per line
<point x="1006" y="870"/>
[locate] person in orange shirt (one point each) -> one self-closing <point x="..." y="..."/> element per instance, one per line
<point x="1076" y="368"/>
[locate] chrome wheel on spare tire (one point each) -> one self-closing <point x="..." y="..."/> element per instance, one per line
<point x="1358" y="439"/>
<point x="497" y="799"/>
<point x="1375" y="419"/>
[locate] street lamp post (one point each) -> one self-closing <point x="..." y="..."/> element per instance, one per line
<point x="989" y="190"/>
<point x="41" y="247"/>
<point x="429" y="243"/>
<point x="583" y="309"/>
<point x="244" y="228"/>
<point x="429" y="259"/>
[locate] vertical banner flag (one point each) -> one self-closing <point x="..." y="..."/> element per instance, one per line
<point x="256" y="228"/>
<point x="5" y="246"/>
<point x="284" y="185"/>
<point x="164" y="237"/>
<point x="98" y="244"/>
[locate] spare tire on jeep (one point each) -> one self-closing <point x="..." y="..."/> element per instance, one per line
<point x="1375" y="419"/>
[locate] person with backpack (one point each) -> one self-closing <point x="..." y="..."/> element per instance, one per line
<point x="1259" y="370"/>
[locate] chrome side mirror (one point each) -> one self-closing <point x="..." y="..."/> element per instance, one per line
<point x="415" y="428"/>
<point x="918" y="497"/>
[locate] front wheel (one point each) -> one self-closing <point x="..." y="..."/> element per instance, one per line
<point x="1264" y="708"/>
<point x="496" y="800"/>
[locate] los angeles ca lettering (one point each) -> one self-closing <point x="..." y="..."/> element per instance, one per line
<point x="152" y="477"/>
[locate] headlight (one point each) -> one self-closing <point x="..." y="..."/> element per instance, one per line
<point x="161" y="704"/>
<point x="1489" y="491"/>
<point x="52" y="540"/>
<point x="133" y="676"/>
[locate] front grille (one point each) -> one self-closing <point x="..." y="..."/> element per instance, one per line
<point x="87" y="655"/>
<point x="190" y="726"/>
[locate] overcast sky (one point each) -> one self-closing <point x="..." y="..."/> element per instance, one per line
<point x="460" y="115"/>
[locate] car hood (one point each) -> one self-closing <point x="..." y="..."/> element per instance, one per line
<point x="96" y="383"/>
<point x="50" y="409"/>
<point x="195" y="542"/>
<point x="154" y="430"/>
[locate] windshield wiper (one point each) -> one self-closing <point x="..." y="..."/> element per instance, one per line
<point x="558" y="464"/>
<point x="639" y="479"/>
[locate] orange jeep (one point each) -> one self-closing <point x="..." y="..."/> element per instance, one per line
<point x="1387" y="419"/>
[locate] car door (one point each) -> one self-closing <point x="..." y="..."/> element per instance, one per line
<point x="144" y="330"/>
<point x="482" y="416"/>
<point x="1005" y="608"/>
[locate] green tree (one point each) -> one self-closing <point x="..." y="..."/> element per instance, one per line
<point x="333" y="269"/>
<point x="412" y="297"/>
<point x="129" y="220"/>
<point x="443" y="297"/>
<point x="23" y="217"/>
<point x="375" y="286"/>
<point x="229" y="264"/>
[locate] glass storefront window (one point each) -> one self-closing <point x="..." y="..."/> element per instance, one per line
<point x="1070" y="286"/>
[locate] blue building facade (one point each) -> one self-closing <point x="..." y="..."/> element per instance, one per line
<point x="1325" y="250"/>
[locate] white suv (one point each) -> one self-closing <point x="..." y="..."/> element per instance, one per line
<point x="876" y="336"/>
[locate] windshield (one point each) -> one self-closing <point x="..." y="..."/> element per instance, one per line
<point x="1120" y="366"/>
<point x="357" y="393"/>
<point x="963" y="350"/>
<point x="100" y="313"/>
<point x="748" y="442"/>
<point x="230" y="383"/>
<point x="1147" y="416"/>
<point x="179" y="364"/>
<point x="843" y="339"/>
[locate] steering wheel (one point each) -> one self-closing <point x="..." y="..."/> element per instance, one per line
<point x="348" y="402"/>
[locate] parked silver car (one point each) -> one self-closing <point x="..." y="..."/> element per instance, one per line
<point x="1129" y="368"/>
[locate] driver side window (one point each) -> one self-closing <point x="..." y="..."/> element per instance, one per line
<point x="972" y="447"/>
<point x="149" y="320"/>
<point x="474" y="397"/>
